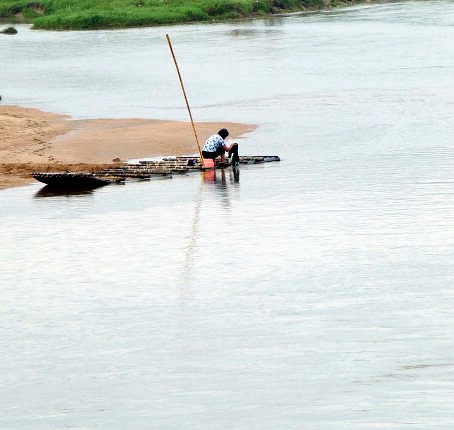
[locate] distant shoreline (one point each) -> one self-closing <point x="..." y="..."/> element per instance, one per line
<point x="103" y="14"/>
<point x="33" y="140"/>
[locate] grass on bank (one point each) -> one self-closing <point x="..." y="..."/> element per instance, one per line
<point x="96" y="14"/>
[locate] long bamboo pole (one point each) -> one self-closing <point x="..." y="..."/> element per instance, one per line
<point x="185" y="98"/>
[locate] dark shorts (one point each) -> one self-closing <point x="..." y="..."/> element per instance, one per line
<point x="213" y="155"/>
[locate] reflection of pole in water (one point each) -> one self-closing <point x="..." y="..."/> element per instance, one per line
<point x="208" y="176"/>
<point x="189" y="260"/>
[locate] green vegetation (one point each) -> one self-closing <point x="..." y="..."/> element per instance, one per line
<point x="96" y="14"/>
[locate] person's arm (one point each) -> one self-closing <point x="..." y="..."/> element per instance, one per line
<point x="227" y="148"/>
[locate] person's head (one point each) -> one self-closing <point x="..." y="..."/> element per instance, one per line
<point x="223" y="133"/>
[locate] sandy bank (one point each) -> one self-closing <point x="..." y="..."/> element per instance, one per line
<point x="32" y="140"/>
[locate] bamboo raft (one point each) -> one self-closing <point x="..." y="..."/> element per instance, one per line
<point x="143" y="170"/>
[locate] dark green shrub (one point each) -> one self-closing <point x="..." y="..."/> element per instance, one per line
<point x="9" y="30"/>
<point x="313" y="4"/>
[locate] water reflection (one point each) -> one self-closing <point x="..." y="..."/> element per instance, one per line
<point x="219" y="177"/>
<point x="192" y="246"/>
<point x="49" y="191"/>
<point x="217" y="180"/>
<point x="236" y="174"/>
<point x="253" y="32"/>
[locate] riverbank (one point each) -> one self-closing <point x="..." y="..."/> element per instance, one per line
<point x="33" y="140"/>
<point x="103" y="14"/>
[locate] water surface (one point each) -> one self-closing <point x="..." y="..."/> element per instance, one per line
<point x="312" y="293"/>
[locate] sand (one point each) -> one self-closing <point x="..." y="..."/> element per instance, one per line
<point x="33" y="140"/>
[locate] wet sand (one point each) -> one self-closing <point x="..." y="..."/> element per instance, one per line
<point x="33" y="140"/>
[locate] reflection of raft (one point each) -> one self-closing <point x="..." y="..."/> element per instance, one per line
<point x="71" y="180"/>
<point x="140" y="171"/>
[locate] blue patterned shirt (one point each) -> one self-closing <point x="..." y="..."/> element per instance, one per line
<point x="213" y="143"/>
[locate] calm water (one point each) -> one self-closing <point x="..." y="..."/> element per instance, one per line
<point x="315" y="293"/>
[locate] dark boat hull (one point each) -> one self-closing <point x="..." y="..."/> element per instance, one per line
<point x="70" y="180"/>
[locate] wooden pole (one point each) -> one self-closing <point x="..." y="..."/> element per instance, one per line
<point x="185" y="98"/>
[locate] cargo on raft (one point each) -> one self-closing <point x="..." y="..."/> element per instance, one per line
<point x="142" y="170"/>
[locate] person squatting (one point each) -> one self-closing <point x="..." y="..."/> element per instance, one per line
<point x="216" y="146"/>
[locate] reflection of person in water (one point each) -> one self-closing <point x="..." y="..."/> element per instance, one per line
<point x="209" y="175"/>
<point x="215" y="146"/>
<point x="213" y="176"/>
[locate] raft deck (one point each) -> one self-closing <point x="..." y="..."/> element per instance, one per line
<point x="143" y="170"/>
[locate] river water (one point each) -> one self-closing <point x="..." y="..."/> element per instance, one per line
<point x="314" y="293"/>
